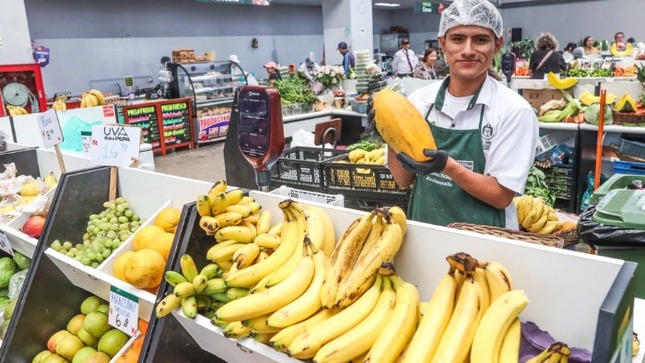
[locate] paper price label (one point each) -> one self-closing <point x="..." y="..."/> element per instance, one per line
<point x="4" y="243"/>
<point x="115" y="145"/>
<point x="49" y="127"/>
<point x="124" y="311"/>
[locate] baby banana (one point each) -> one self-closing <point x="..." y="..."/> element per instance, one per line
<point x="238" y="233"/>
<point x="209" y="225"/>
<point x="199" y="283"/>
<point x="234" y="196"/>
<point x="188" y="267"/>
<point x="174" y="278"/>
<point x="167" y="304"/>
<point x="203" y="206"/>
<point x="189" y="306"/>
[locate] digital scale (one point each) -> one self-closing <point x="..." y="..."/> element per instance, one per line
<point x="508" y="66"/>
<point x="255" y="134"/>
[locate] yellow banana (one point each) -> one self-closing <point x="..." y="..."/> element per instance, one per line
<point x="167" y="305"/>
<point x="494" y="324"/>
<point x="307" y="304"/>
<point x="273" y="298"/>
<point x="288" y="267"/>
<point x="306" y="346"/>
<point x="286" y="336"/>
<point x="263" y="338"/>
<point x="203" y="301"/>
<point x="174" y="277"/>
<point x="244" y="210"/>
<point x="245" y="255"/>
<point x="188" y="267"/>
<point x="264" y="222"/>
<point x="218" y="203"/>
<point x="214" y="250"/>
<point x="455" y="345"/>
<point x="356" y="155"/>
<point x="94" y="101"/>
<point x="498" y="278"/>
<point x="203" y="206"/>
<point x="400" y="325"/>
<point x="184" y="289"/>
<point x="542" y="357"/>
<point x="535" y="227"/>
<point x="252" y="219"/>
<point x="510" y="350"/>
<point x="315" y="229"/>
<point x="266" y="240"/>
<point x="246" y="200"/>
<point x="239" y="233"/>
<point x="98" y="95"/>
<point x="214" y="286"/>
<point x="319" y="215"/>
<point x="210" y="271"/>
<point x="534" y="215"/>
<point x="235" y="293"/>
<point x="343" y="257"/>
<point x="199" y="283"/>
<point x="276" y="230"/>
<point x="259" y="325"/>
<point x="225" y="253"/>
<point x="189" y="306"/>
<point x="227" y="219"/>
<point x="480" y="276"/>
<point x="234" y="196"/>
<point x="550" y="227"/>
<point x="236" y="330"/>
<point x="225" y="266"/>
<point x="552" y="216"/>
<point x="251" y="275"/>
<point x="255" y="207"/>
<point x="250" y="226"/>
<point x="368" y="263"/>
<point x="399" y="217"/>
<point x="261" y="256"/>
<point x="361" y="337"/>
<point x="218" y="187"/>
<point x="435" y="319"/>
<point x="208" y="225"/>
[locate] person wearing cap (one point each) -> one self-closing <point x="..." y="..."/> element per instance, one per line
<point x="485" y="133"/>
<point x="349" y="61"/>
<point x="272" y="70"/>
<point x="404" y="60"/>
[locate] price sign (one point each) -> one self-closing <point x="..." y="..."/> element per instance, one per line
<point x="50" y="128"/>
<point x="115" y="145"/>
<point x="4" y="243"/>
<point x="129" y="81"/>
<point x="124" y="311"/>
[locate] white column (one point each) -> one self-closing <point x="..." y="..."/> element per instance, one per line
<point x="348" y="21"/>
<point x="15" y="43"/>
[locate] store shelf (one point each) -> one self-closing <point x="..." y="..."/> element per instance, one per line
<point x="214" y="102"/>
<point x="213" y="89"/>
<point x="558" y="126"/>
<point x="211" y="77"/>
<point x="614" y="128"/>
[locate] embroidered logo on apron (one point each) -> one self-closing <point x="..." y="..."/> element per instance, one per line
<point x="488" y="133"/>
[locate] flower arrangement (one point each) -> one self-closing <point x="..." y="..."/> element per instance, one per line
<point x="329" y="75"/>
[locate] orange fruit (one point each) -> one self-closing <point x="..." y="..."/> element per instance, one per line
<point x="145" y="235"/>
<point x="168" y="219"/>
<point x="567" y="225"/>
<point x="162" y="243"/>
<point x="145" y="269"/>
<point x="118" y="269"/>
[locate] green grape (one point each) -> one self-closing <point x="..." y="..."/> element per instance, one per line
<point x="70" y="254"/>
<point x="109" y="216"/>
<point x="120" y="208"/>
<point x="104" y="220"/>
<point x="108" y="243"/>
<point x="96" y="230"/>
<point x="124" y="226"/>
<point x="73" y="250"/>
<point x="119" y="214"/>
<point x="91" y="255"/>
<point x="106" y="204"/>
<point x="116" y="244"/>
<point x="128" y="213"/>
<point x="123" y="219"/>
<point x="99" y="257"/>
<point x="56" y="245"/>
<point x="86" y="236"/>
<point x="111" y="234"/>
<point x="125" y="205"/>
<point x="114" y="226"/>
<point x="114" y="220"/>
<point x="107" y="253"/>
<point x="112" y="205"/>
<point x="87" y="243"/>
<point x="133" y="228"/>
<point x="123" y="237"/>
<point x="67" y="245"/>
<point x="89" y="229"/>
<point x="95" y="264"/>
<point x="135" y="218"/>
<point x="93" y="217"/>
<point x="119" y="200"/>
<point x="79" y="246"/>
<point x="85" y="261"/>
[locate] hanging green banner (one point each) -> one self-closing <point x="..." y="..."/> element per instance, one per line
<point x="424" y="8"/>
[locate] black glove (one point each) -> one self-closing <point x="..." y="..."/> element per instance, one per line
<point x="437" y="164"/>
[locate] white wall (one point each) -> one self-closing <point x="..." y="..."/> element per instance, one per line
<point x="15" y="45"/>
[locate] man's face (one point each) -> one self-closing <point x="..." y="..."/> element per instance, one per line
<point x="469" y="50"/>
<point x="342" y="51"/>
<point x="405" y="46"/>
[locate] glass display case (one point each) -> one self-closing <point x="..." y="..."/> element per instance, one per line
<point x="211" y="85"/>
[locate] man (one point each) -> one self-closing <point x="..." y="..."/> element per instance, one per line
<point x="486" y="134"/>
<point x="272" y="71"/>
<point x="349" y="61"/>
<point x="404" y="60"/>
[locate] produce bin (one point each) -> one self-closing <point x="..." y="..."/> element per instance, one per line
<point x="616" y="181"/>
<point x="331" y="199"/>
<point x="26" y="161"/>
<point x="342" y="176"/>
<point x="302" y="166"/>
<point x="629" y="167"/>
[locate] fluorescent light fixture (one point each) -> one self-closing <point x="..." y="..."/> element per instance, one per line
<point x="388" y="5"/>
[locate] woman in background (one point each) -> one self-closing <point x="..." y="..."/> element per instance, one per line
<point x="545" y="59"/>
<point x="567" y="54"/>
<point x="589" y="48"/>
<point x="426" y="68"/>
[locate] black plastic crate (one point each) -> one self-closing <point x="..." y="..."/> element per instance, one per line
<point x="560" y="180"/>
<point x="632" y="148"/>
<point x="303" y="166"/>
<point x="26" y="161"/>
<point x="340" y="176"/>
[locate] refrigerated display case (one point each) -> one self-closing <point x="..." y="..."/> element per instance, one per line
<point x="22" y="85"/>
<point x="211" y="85"/>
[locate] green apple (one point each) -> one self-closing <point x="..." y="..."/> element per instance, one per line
<point x="103" y="308"/>
<point x="41" y="356"/>
<point x="82" y="354"/>
<point x="96" y="324"/>
<point x="112" y="341"/>
<point x="68" y="347"/>
<point x="75" y="323"/>
<point x="98" y="357"/>
<point x="54" y="358"/>
<point x="55" y="338"/>
<point x="87" y="338"/>
<point x="90" y="304"/>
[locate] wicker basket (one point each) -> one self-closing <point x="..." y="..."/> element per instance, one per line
<point x="553" y="240"/>
<point x="622" y="118"/>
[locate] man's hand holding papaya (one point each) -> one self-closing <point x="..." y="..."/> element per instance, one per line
<point x="437" y="163"/>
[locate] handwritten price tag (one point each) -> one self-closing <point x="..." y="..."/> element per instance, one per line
<point x="4" y="243"/>
<point x="124" y="311"/>
<point x="115" y="145"/>
<point x="50" y="128"/>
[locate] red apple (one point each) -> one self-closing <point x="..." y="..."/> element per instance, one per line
<point x="34" y="226"/>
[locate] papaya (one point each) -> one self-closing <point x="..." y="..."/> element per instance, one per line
<point x="401" y="125"/>
<point x="620" y="54"/>
<point x="558" y="83"/>
<point x="626" y="104"/>
<point x="588" y="99"/>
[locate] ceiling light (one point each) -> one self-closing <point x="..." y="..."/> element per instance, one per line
<point x="389" y="5"/>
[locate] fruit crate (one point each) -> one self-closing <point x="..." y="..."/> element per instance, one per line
<point x="629" y="167"/>
<point x="560" y="180"/>
<point x="302" y="165"/>
<point x="632" y="148"/>
<point x="342" y="176"/>
<point x="331" y="199"/>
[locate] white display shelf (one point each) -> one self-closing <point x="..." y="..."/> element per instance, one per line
<point x="614" y="128"/>
<point x="210" y="77"/>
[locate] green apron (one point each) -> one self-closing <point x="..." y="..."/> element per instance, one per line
<point x="436" y="199"/>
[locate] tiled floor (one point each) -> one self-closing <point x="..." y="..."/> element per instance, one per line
<point x="203" y="163"/>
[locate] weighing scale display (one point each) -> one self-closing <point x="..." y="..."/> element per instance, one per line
<point x="254" y="127"/>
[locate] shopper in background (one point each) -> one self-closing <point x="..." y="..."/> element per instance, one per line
<point x="404" y="60"/>
<point x="164" y="60"/>
<point x="485" y="132"/>
<point x="545" y="59"/>
<point x="567" y="54"/>
<point x="425" y="68"/>
<point x="631" y="40"/>
<point x="619" y="40"/>
<point x="349" y="61"/>
<point x="587" y="43"/>
<point x="272" y="71"/>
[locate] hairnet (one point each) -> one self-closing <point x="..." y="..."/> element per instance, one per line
<point x="471" y="12"/>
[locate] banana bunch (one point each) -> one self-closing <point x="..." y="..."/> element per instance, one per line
<point x="92" y="98"/>
<point x="557" y="352"/>
<point x="535" y="216"/>
<point x="360" y="156"/>
<point x="474" y="311"/>
<point x="59" y="104"/>
<point x="196" y="290"/>
<point x="369" y="241"/>
<point x="16" y="110"/>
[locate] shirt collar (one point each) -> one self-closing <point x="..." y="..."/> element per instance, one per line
<point x="482" y="96"/>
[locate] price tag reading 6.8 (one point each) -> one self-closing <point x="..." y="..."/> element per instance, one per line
<point x="124" y="311"/>
<point x="115" y="145"/>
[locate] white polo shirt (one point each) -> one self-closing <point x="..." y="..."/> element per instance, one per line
<point x="509" y="131"/>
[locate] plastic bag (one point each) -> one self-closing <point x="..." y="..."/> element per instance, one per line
<point x="535" y="340"/>
<point x="72" y="139"/>
<point x="560" y="156"/>
<point x="598" y="234"/>
<point x="306" y="139"/>
<point x="586" y="196"/>
<point x="15" y="283"/>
